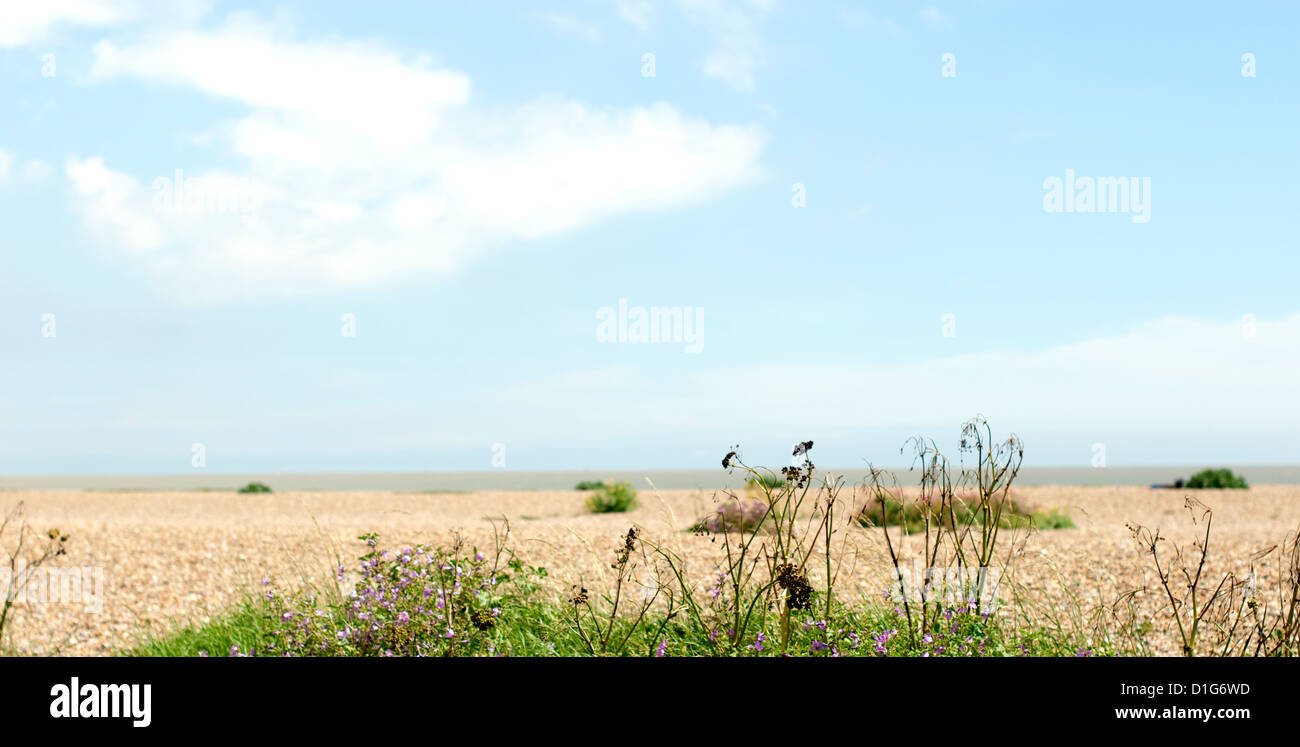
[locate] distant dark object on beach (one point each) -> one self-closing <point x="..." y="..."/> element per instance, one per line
<point x="1210" y="479"/>
<point x="590" y="485"/>
<point x="256" y="487"/>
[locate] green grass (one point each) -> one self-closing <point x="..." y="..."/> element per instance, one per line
<point x="535" y="628"/>
<point x="256" y="487"/>
<point x="1216" y="479"/>
<point x="243" y="626"/>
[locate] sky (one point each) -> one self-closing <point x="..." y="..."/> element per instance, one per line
<point x="313" y="236"/>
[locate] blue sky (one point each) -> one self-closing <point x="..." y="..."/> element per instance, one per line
<point x="474" y="182"/>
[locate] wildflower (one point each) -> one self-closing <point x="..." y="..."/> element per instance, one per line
<point x="818" y="647"/>
<point x="663" y="645"/>
<point x="795" y="583"/>
<point x="757" y="645"/>
<point x="577" y="599"/>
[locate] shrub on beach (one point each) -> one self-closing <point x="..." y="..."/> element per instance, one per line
<point x="765" y="480"/>
<point x="256" y="487"/>
<point x="590" y="485"/>
<point x="911" y="515"/>
<point x="613" y="498"/>
<point x="733" y="516"/>
<point x="1214" y="479"/>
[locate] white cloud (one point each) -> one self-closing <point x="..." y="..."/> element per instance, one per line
<point x="32" y="170"/>
<point x="35" y="170"/>
<point x="23" y="22"/>
<point x="859" y="19"/>
<point x="371" y="167"/>
<point x="934" y="16"/>
<point x="639" y="13"/>
<point x="740" y="49"/>
<point x="569" y="25"/>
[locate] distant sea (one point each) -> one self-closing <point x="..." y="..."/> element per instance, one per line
<point x="505" y="479"/>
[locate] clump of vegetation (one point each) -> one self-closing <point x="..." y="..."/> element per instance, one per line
<point x="1215" y="479"/>
<point x="733" y="515"/>
<point x="415" y="601"/>
<point x="613" y="498"/>
<point x="913" y="516"/>
<point x="256" y="487"/>
<point x="590" y="485"/>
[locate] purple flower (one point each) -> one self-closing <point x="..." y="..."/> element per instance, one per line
<point x="818" y="647"/>
<point x="663" y="646"/>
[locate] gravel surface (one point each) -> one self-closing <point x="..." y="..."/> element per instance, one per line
<point x="181" y="556"/>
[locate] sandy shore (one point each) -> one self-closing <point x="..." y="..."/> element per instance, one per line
<point x="170" y="556"/>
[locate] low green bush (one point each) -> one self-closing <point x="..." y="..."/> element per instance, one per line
<point x="766" y="480"/>
<point x="614" y="498"/>
<point x="912" y="514"/>
<point x="256" y="487"/>
<point x="1216" y="479"/>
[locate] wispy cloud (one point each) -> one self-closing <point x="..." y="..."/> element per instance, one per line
<point x="934" y="17"/>
<point x="739" y="47"/>
<point x="1154" y="373"/>
<point x="568" y="25"/>
<point x="857" y="18"/>
<point x="639" y="13"/>
<point x="24" y="23"/>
